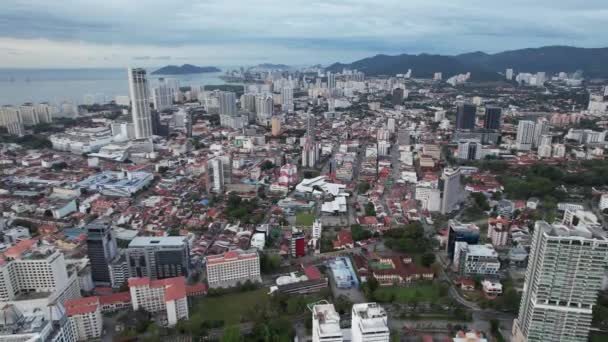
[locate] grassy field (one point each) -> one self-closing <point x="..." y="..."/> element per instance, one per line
<point x="422" y="293"/>
<point x="230" y="308"/>
<point x="304" y="219"/>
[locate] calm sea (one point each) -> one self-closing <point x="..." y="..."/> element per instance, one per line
<point x="57" y="85"/>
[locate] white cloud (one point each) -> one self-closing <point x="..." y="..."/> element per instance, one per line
<point x="90" y="32"/>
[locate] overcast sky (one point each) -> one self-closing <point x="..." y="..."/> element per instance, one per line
<point x="96" y="33"/>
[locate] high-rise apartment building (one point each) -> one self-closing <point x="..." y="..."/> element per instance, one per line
<point x="326" y="324"/>
<point x="331" y="80"/>
<point x="451" y="190"/>
<point x="230" y="268"/>
<point x="541" y="127"/>
<point x="310" y="150"/>
<point x="465" y="116"/>
<point x="564" y="275"/>
<point x="525" y="135"/>
<point x="397" y="97"/>
<point x="469" y="149"/>
<point x="492" y="118"/>
<point x="369" y="323"/>
<point x="29" y="268"/>
<point x="163" y="95"/>
<point x="264" y="106"/>
<point x="287" y="99"/>
<point x="158" y="257"/>
<point x="248" y="103"/>
<point x="219" y="173"/>
<point x="227" y="101"/>
<point x="10" y="118"/>
<point x="140" y="103"/>
<point x="275" y="124"/>
<point x="101" y="249"/>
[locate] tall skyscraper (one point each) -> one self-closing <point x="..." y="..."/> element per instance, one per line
<point x="140" y="103"/>
<point x="540" y="128"/>
<point x="248" y="102"/>
<point x="101" y="249"/>
<point x="465" y="116"/>
<point x="287" y="99"/>
<point x="309" y="150"/>
<point x="163" y="95"/>
<point x="451" y="190"/>
<point x="331" y="80"/>
<point x="264" y="106"/>
<point x="509" y="74"/>
<point x="525" y="135"/>
<point x="564" y="276"/>
<point x="397" y="97"/>
<point x="492" y="118"/>
<point x="227" y="100"/>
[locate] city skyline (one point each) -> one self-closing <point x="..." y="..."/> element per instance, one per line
<point x="114" y="34"/>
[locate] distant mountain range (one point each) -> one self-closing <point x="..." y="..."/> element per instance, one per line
<point x="485" y="67"/>
<point x="184" y="69"/>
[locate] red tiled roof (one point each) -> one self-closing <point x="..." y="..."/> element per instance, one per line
<point x="199" y="288"/>
<point x="312" y="272"/>
<point x="80" y="306"/>
<point x="120" y="297"/>
<point x="18" y="249"/>
<point x="175" y="288"/>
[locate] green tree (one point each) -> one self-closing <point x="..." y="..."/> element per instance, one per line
<point x="370" y="210"/>
<point x="363" y="187"/>
<point x="428" y="259"/>
<point x="232" y="334"/>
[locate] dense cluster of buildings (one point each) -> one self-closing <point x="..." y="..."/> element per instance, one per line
<point x="174" y="189"/>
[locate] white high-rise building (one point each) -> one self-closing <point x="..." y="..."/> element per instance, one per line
<point x="219" y="172"/>
<point x="163" y="95"/>
<point x="390" y="125"/>
<point x="452" y="190"/>
<point x="509" y="74"/>
<point x="331" y="80"/>
<point x="264" y="108"/>
<point x="287" y="99"/>
<point x="525" y="135"/>
<point x="540" y="128"/>
<point x="248" y="103"/>
<point x="32" y="269"/>
<point x="469" y="149"/>
<point x="369" y="323"/>
<point x="540" y="78"/>
<point x="10" y="118"/>
<point x="227" y="100"/>
<point x="326" y="324"/>
<point x="563" y="279"/>
<point x="140" y="103"/>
